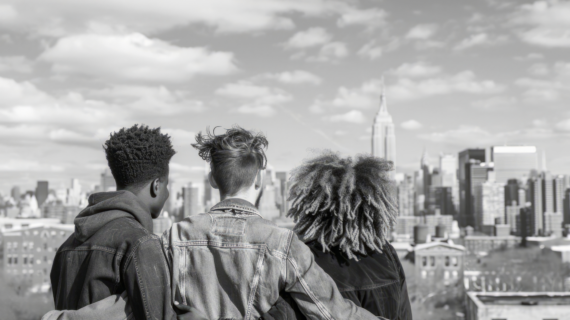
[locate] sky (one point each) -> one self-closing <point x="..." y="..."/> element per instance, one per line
<point x="306" y="73"/>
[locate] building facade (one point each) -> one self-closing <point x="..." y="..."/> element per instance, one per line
<point x="513" y="162"/>
<point x="517" y="306"/>
<point x="463" y="159"/>
<point x="476" y="244"/>
<point x="439" y="267"/>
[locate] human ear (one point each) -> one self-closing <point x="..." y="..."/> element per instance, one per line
<point x="212" y="181"/>
<point x="154" y="187"/>
<point x="259" y="179"/>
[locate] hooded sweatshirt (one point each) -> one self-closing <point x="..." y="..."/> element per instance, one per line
<point x="111" y="251"/>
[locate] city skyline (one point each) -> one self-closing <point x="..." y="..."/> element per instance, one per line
<point x="306" y="73"/>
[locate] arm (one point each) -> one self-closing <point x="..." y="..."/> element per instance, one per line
<point x="404" y="307"/>
<point x="113" y="307"/>
<point x="147" y="281"/>
<point x="313" y="290"/>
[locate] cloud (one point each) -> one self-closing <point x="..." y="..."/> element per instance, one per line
<point x="370" y="50"/>
<point x="545" y="90"/>
<point x="134" y="57"/>
<point x="19" y="64"/>
<point x="530" y="56"/>
<point x="479" y="39"/>
<point x="260" y="99"/>
<point x="372" y="18"/>
<point x="65" y="17"/>
<point x="292" y="77"/>
<point x="463" y="82"/>
<point x="494" y="103"/>
<point x="422" y="31"/>
<point x="331" y="52"/>
<point x="548" y="21"/>
<point x="354" y="116"/>
<point x="180" y="137"/>
<point x="309" y="38"/>
<point x="416" y="70"/>
<point x="411" y="125"/>
<point x="340" y="133"/>
<point x="539" y="69"/>
<point x="13" y="92"/>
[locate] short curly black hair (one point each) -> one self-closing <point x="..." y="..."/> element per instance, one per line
<point x="137" y="155"/>
<point x="235" y="157"/>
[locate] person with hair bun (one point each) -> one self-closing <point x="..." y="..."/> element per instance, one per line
<point x="344" y="210"/>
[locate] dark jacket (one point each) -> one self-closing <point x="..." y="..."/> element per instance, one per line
<point x="376" y="283"/>
<point x="112" y="250"/>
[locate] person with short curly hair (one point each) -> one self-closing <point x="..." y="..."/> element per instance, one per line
<point x="344" y="210"/>
<point x="113" y="250"/>
<point x="230" y="262"/>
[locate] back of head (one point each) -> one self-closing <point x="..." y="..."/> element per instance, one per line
<point x="235" y="157"/>
<point x="137" y="155"/>
<point x="344" y="204"/>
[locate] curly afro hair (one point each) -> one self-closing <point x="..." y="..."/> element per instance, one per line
<point x="343" y="204"/>
<point x="137" y="155"/>
<point x="235" y="157"/>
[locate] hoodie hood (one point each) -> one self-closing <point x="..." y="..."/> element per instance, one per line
<point x="105" y="207"/>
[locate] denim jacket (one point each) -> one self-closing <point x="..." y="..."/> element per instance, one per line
<point x="231" y="263"/>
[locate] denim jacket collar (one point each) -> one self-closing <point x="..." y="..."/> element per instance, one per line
<point x="236" y="205"/>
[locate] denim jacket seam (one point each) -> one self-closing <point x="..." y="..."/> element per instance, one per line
<point x="92" y="248"/>
<point x="214" y="243"/>
<point x="141" y="287"/>
<point x="137" y="245"/>
<point x="256" y="280"/>
<point x="323" y="310"/>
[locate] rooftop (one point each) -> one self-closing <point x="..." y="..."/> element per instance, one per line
<point x="521" y="298"/>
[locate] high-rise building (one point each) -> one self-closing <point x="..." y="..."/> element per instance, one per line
<point x="42" y="192"/>
<point x="559" y="189"/>
<point x="191" y="198"/>
<point x="490" y="204"/>
<point x="426" y="177"/>
<point x="511" y="213"/>
<point x="107" y="181"/>
<point x="383" y="135"/>
<point x="441" y="198"/>
<point x="448" y="171"/>
<point x="553" y="224"/>
<point x="536" y="207"/>
<point x="566" y="205"/>
<point x="419" y="201"/>
<point x="512" y="192"/>
<point x="547" y="192"/>
<point x="513" y="162"/>
<point x="15" y="193"/>
<point x="463" y="165"/>
<point x="476" y="173"/>
<point x="406" y="196"/>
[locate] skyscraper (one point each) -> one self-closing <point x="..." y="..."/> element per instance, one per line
<point x="191" y="198"/>
<point x="476" y="174"/>
<point x="448" y="171"/>
<point x="566" y="205"/>
<point x="406" y="196"/>
<point x="536" y="208"/>
<point x="426" y="177"/>
<point x="463" y="162"/>
<point x="513" y="162"/>
<point x="42" y="192"/>
<point x="547" y="192"/>
<point x="383" y="135"/>
<point x="559" y="189"/>
<point x="490" y="206"/>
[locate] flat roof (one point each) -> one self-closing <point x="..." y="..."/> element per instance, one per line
<point x="514" y="149"/>
<point x="521" y="298"/>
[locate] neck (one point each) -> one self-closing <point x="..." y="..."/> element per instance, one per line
<point x="249" y="195"/>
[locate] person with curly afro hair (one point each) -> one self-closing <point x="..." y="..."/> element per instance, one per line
<point x="344" y="210"/>
<point x="113" y="251"/>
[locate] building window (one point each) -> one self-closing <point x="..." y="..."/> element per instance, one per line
<point x="38" y="261"/>
<point x="45" y="246"/>
<point x="31" y="260"/>
<point x="25" y="225"/>
<point x="424" y="274"/>
<point x="454" y="273"/>
<point x="424" y="261"/>
<point x="446" y="275"/>
<point x="31" y="245"/>
<point x="25" y="246"/>
<point x="25" y="260"/>
<point x="454" y="261"/>
<point x="447" y="261"/>
<point x="15" y="245"/>
<point x="9" y="260"/>
<point x="15" y="260"/>
<point x="432" y="261"/>
<point x="35" y="232"/>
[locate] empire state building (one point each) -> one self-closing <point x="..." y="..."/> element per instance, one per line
<point x="383" y="136"/>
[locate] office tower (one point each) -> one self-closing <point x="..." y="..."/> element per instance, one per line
<point x="536" y="207"/>
<point x="419" y="201"/>
<point x="406" y="196"/>
<point x="525" y="223"/>
<point x="463" y="161"/>
<point x="383" y="135"/>
<point x="441" y="199"/>
<point x="547" y="192"/>
<point x="42" y="192"/>
<point x="559" y="189"/>
<point x="490" y="205"/>
<point x="15" y="193"/>
<point x="426" y="177"/>
<point x="566" y="205"/>
<point x="191" y="200"/>
<point x="511" y="213"/>
<point x="512" y="192"/>
<point x="513" y="162"/>
<point x="107" y="181"/>
<point x="448" y="171"/>
<point x="553" y="224"/>
<point x="476" y="173"/>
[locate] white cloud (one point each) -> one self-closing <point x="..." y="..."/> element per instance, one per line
<point x="354" y="116"/>
<point x="422" y="31"/>
<point x="260" y="99"/>
<point x="539" y="69"/>
<point x="292" y="77"/>
<point x="331" y="52"/>
<point x="18" y="64"/>
<point x="548" y="20"/>
<point x="258" y="110"/>
<point x="134" y="57"/>
<point x="416" y="70"/>
<point x="530" y="56"/>
<point x="370" y="50"/>
<point x="12" y="92"/>
<point x="180" y="137"/>
<point x="479" y="39"/>
<point x="464" y="82"/>
<point x="372" y="18"/>
<point x="309" y="38"/>
<point x="411" y="125"/>
<point x="495" y="102"/>
<point x="64" y="17"/>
